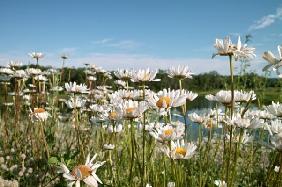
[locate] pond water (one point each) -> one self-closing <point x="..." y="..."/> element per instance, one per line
<point x="201" y="106"/>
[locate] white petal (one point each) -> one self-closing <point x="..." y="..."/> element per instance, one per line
<point x="77" y="183"/>
<point x="91" y="181"/>
<point x="280" y="51"/>
<point x="93" y="158"/>
<point x="87" y="159"/>
<point x="268" y="56"/>
<point x="97" y="165"/>
<point x="239" y="43"/>
<point x="70" y="184"/>
<point x="64" y="168"/>
<point x="97" y="178"/>
<point x="267" y="67"/>
<point x="68" y="176"/>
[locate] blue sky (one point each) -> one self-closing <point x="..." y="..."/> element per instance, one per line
<point x="136" y="34"/>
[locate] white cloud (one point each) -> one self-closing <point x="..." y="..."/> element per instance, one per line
<point x="68" y="50"/>
<point x="120" y="44"/>
<point x="236" y="34"/>
<point x="4" y="59"/>
<point x="135" y="61"/>
<point x="128" y="61"/>
<point x="124" y="44"/>
<point x="103" y="41"/>
<point x="267" y="20"/>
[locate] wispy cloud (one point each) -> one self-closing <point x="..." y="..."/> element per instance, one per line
<point x="4" y="59"/>
<point x="113" y="61"/>
<point x="267" y="20"/>
<point x="275" y="35"/>
<point x="103" y="41"/>
<point x="236" y="34"/>
<point x="135" y="61"/>
<point x="68" y="50"/>
<point x="120" y="44"/>
<point x="51" y="58"/>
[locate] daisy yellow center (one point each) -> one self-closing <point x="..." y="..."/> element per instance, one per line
<point x="209" y="124"/>
<point x="168" y="132"/>
<point x="181" y="151"/>
<point x="127" y="97"/>
<point x="81" y="171"/>
<point x="39" y="110"/>
<point x="113" y="115"/>
<point x="130" y="110"/>
<point x="162" y="100"/>
<point x="77" y="89"/>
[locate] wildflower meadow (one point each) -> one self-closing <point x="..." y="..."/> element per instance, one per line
<point x="116" y="129"/>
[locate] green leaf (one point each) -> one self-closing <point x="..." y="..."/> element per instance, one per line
<point x="53" y="161"/>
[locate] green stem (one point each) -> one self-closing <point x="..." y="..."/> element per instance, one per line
<point x="229" y="157"/>
<point x="231" y="115"/>
<point x="232" y="85"/>
<point x="180" y="84"/>
<point x="144" y="142"/>
<point x="132" y="151"/>
<point x="237" y="153"/>
<point x="44" y="140"/>
<point x="200" y="154"/>
<point x="79" y="141"/>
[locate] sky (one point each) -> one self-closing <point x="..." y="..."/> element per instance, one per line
<point x="136" y="33"/>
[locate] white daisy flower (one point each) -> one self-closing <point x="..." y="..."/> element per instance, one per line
<point x="6" y="71"/>
<point x="274" y="62"/>
<point x="39" y="114"/>
<point x="123" y="74"/>
<point x="276" y="126"/>
<point x="36" y="55"/>
<point x="144" y="75"/>
<point x="131" y="109"/>
<point x="276" y="169"/>
<point x="220" y="183"/>
<point x="180" y="72"/>
<point x="246" y="138"/>
<point x="171" y="184"/>
<point x="210" y="97"/>
<point x="91" y="78"/>
<point x="276" y="141"/>
<point x="167" y="132"/>
<point x="108" y="146"/>
<point x="275" y="109"/>
<point x="189" y="95"/>
<point x="56" y="89"/>
<point x="264" y="114"/>
<point x="242" y="96"/>
<point x="41" y="78"/>
<point x="85" y="173"/>
<point x="96" y="68"/>
<point x="20" y="74"/>
<point x="167" y="98"/>
<point x="180" y="150"/>
<point x="33" y="71"/>
<point x="120" y="83"/>
<point x="72" y="87"/>
<point x="196" y="118"/>
<point x="13" y="64"/>
<point x="75" y="102"/>
<point x="239" y="51"/>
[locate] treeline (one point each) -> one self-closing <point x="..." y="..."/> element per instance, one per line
<point x="201" y="82"/>
<point x="214" y="81"/>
